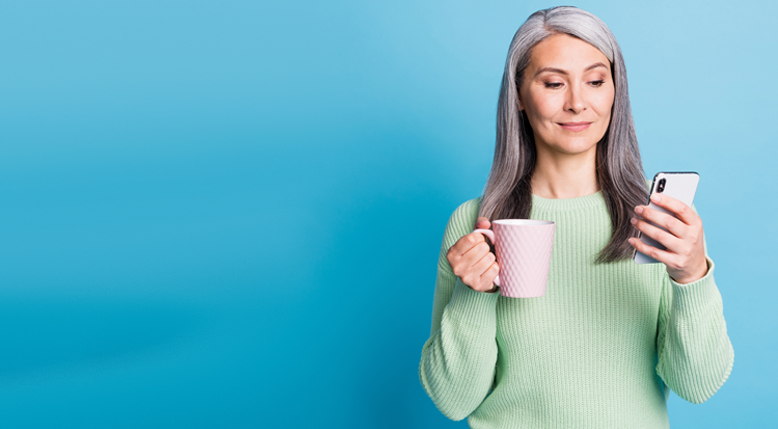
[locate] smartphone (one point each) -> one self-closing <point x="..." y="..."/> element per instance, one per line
<point x="681" y="185"/>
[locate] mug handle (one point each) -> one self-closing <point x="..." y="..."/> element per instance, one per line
<point x="490" y="234"/>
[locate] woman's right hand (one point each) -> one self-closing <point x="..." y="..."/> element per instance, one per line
<point x="472" y="260"/>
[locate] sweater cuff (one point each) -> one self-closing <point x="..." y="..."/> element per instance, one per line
<point x="697" y="296"/>
<point x="473" y="307"/>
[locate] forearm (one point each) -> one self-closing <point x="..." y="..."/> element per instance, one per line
<point x="695" y="353"/>
<point x="458" y="361"/>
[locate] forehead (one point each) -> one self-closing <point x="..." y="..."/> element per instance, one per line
<point x="565" y="52"/>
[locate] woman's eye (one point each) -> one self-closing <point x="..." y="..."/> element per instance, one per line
<point x="597" y="83"/>
<point x="553" y="85"/>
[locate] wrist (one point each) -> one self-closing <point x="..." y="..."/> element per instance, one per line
<point x="494" y="289"/>
<point x="693" y="278"/>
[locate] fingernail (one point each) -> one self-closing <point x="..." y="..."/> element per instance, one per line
<point x="639" y="209"/>
<point x="656" y="198"/>
<point x="631" y="241"/>
<point x="634" y="221"/>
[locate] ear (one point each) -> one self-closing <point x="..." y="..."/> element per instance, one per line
<point x="518" y="99"/>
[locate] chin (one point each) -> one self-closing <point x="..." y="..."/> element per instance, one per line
<point x="575" y="147"/>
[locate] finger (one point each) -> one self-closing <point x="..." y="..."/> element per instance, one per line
<point x="474" y="254"/>
<point x="660" y="255"/>
<point x="483" y="223"/>
<point x="468" y="268"/>
<point x="682" y="211"/>
<point x="490" y="274"/>
<point x="668" y="240"/>
<point x="673" y="225"/>
<point x="484" y="263"/>
<point x="466" y="243"/>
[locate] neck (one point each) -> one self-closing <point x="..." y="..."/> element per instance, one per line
<point x="560" y="175"/>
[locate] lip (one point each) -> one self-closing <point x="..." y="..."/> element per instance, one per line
<point x="575" y="126"/>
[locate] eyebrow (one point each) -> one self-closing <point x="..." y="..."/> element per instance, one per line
<point x="560" y="71"/>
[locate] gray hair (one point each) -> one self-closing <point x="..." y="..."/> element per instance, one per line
<point x="508" y="192"/>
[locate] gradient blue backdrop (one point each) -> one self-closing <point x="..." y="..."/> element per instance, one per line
<point x="228" y="214"/>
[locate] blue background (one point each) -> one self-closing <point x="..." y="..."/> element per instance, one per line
<point x="228" y="214"/>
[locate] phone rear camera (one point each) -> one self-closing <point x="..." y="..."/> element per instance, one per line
<point x="661" y="186"/>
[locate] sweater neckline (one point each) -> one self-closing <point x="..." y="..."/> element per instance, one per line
<point x="564" y="204"/>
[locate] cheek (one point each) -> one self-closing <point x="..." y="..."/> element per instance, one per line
<point x="540" y="109"/>
<point x="603" y="105"/>
<point x="603" y="102"/>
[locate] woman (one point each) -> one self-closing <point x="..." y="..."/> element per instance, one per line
<point x="610" y="337"/>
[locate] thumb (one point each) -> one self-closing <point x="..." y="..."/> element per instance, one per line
<point x="483" y="223"/>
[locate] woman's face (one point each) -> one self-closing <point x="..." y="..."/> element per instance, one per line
<point x="567" y="94"/>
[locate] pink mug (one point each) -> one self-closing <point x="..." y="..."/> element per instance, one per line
<point x="523" y="248"/>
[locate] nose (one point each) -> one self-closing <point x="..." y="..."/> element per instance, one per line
<point x="574" y="101"/>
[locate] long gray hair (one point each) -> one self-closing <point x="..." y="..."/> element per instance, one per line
<point x="508" y="192"/>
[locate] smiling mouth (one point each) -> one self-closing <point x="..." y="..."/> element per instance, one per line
<point x="575" y="126"/>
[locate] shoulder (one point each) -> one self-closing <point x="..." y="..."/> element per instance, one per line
<point x="462" y="221"/>
<point x="467" y="210"/>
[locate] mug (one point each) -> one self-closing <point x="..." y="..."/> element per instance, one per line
<point x="523" y="249"/>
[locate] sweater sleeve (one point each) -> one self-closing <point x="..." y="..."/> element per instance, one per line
<point x="695" y="354"/>
<point x="458" y="360"/>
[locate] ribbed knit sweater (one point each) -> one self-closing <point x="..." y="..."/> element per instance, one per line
<point x="598" y="350"/>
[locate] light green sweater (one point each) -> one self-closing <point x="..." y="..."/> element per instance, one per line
<point x="599" y="350"/>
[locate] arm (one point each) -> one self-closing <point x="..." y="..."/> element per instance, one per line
<point x="695" y="354"/>
<point x="458" y="360"/>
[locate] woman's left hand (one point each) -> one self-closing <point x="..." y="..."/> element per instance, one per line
<point x="685" y="254"/>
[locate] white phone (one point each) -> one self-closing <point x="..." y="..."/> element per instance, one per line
<point x="680" y="185"/>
